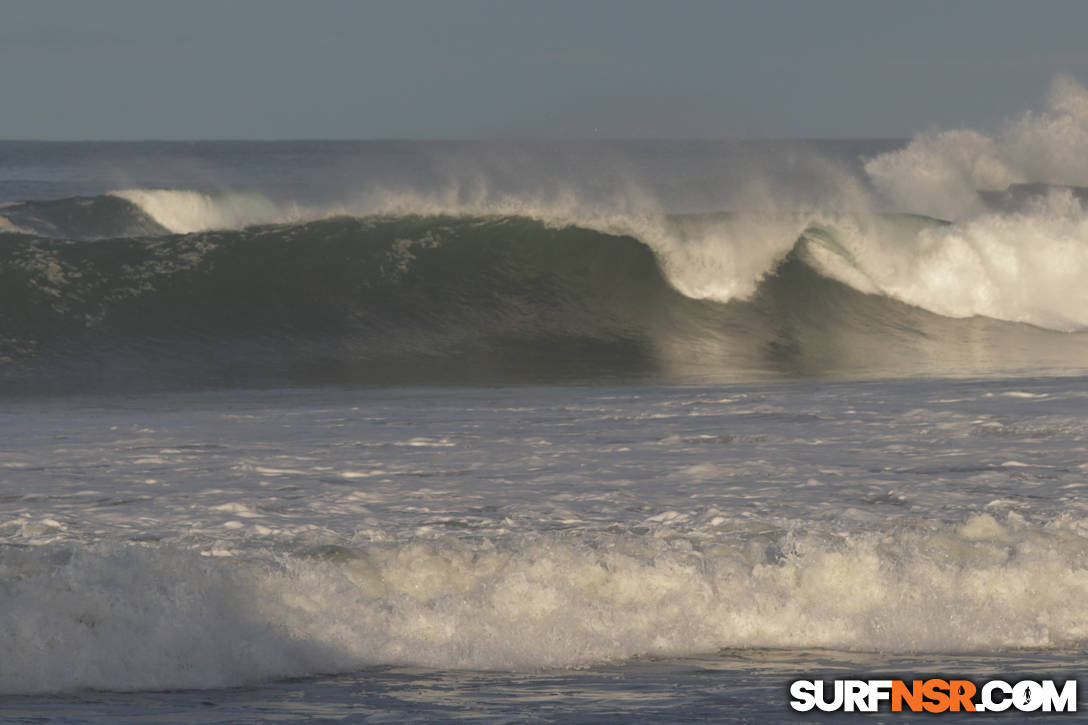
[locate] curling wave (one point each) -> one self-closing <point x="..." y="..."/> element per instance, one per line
<point x="479" y="298"/>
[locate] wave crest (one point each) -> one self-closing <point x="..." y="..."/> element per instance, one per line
<point x="184" y="211"/>
<point x="383" y="299"/>
<point x="941" y="173"/>
<point x="1017" y="267"/>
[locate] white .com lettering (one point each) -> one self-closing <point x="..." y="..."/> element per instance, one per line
<point x="933" y="695"/>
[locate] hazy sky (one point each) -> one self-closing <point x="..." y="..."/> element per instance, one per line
<point x="198" y="69"/>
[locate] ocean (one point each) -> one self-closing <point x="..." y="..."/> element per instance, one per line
<point x="504" y="431"/>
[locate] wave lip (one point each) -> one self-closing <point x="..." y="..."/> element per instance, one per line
<point x="79" y="218"/>
<point x="184" y="211"/>
<point x="1019" y="267"/>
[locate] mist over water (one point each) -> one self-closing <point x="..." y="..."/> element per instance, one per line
<point x="955" y="253"/>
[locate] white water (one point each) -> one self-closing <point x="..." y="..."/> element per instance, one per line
<point x="940" y="173"/>
<point x="213" y="540"/>
<point x="140" y="617"/>
<point x="184" y="541"/>
<point x="185" y="211"/>
<point x="1015" y="266"/>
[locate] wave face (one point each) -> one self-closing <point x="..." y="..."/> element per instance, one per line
<point x="958" y="253"/>
<point x="474" y="298"/>
<point x="340" y="299"/>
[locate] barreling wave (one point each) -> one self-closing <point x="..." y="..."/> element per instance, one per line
<point x="477" y="298"/>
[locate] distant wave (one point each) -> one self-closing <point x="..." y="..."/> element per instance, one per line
<point x="478" y="298"/>
<point x="1020" y="266"/>
<point x="974" y="264"/>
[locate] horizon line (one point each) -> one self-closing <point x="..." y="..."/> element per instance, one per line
<point x="497" y="139"/>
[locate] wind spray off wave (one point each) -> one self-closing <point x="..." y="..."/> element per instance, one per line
<point x="893" y="265"/>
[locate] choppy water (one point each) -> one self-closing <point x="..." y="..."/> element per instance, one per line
<point x="218" y="540"/>
<point x="501" y="431"/>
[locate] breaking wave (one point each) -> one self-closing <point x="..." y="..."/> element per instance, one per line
<point x="184" y="211"/>
<point x="417" y="298"/>
<point x="959" y="253"/>
<point x="129" y="617"/>
<point x="951" y="174"/>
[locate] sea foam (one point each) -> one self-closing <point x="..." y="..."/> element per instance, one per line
<point x="140" y="616"/>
